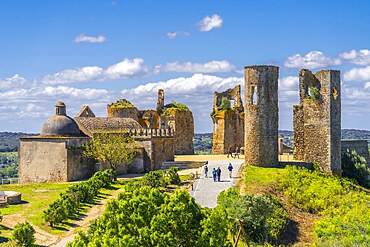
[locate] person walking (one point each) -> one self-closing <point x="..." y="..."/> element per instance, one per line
<point x="214" y="173"/>
<point x="206" y="169"/>
<point x="237" y="151"/>
<point x="230" y="152"/>
<point x="230" y="168"/>
<point x="218" y="174"/>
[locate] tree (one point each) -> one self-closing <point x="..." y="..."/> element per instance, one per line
<point x="23" y="234"/>
<point x="113" y="148"/>
<point x="149" y="217"/>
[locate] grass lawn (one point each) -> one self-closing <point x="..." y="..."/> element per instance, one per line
<point x="35" y="199"/>
<point x="258" y="179"/>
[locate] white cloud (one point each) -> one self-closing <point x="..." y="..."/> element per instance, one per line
<point x="198" y="83"/>
<point x="174" y="35"/>
<point x="367" y="85"/>
<point x="357" y="74"/>
<point x="210" y="22"/>
<point x="84" y="74"/>
<point x="312" y="60"/>
<point x="71" y="92"/>
<point x="15" y="81"/>
<point x="90" y="39"/>
<point x="130" y="68"/>
<point x="127" y="68"/>
<point x="360" y="57"/>
<point x="188" y="67"/>
<point x="289" y="83"/>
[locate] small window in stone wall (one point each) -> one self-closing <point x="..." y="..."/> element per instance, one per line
<point x="254" y="95"/>
<point x="335" y="93"/>
<point x="232" y="103"/>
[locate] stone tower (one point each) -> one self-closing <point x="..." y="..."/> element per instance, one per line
<point x="261" y="115"/>
<point x="228" y="124"/>
<point x="317" y="119"/>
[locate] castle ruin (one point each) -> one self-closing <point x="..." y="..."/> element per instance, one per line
<point x="228" y="124"/>
<point x="317" y="120"/>
<point x="261" y="115"/>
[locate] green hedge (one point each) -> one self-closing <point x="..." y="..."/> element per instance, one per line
<point x="71" y="201"/>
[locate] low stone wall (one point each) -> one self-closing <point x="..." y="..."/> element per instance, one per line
<point x="13" y="197"/>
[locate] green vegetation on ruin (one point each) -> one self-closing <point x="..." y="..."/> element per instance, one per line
<point x="174" y="106"/>
<point x="121" y="103"/>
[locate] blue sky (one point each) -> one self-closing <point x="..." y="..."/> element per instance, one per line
<point x="95" y="52"/>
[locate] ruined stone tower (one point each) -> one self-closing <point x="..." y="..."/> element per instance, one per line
<point x="261" y="115"/>
<point x="228" y="124"/>
<point x="317" y="119"/>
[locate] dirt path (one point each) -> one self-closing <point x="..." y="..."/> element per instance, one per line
<point x="83" y="223"/>
<point x="43" y="238"/>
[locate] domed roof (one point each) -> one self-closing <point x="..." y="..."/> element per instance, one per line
<point x="60" y="125"/>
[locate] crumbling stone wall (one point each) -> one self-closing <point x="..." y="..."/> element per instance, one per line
<point x="182" y="122"/>
<point x="261" y="115"/>
<point x="317" y="120"/>
<point x="228" y="126"/>
<point x="126" y="111"/>
<point x="360" y="146"/>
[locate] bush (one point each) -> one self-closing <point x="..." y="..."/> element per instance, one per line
<point x="345" y="209"/>
<point x="263" y="217"/>
<point x="71" y="201"/>
<point x="161" y="178"/>
<point x="312" y="191"/>
<point x="23" y="234"/>
<point x="354" y="166"/>
<point x="150" y="217"/>
<point x="154" y="179"/>
<point x="171" y="176"/>
<point x="314" y="93"/>
<point x="225" y="105"/>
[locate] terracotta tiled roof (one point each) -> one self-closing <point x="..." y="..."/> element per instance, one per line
<point x="88" y="125"/>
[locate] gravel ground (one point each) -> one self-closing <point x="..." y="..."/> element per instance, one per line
<point x="205" y="190"/>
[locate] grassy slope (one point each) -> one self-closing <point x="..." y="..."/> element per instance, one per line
<point x="263" y="180"/>
<point x="35" y="199"/>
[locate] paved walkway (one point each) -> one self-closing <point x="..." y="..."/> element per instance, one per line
<point x="205" y="190"/>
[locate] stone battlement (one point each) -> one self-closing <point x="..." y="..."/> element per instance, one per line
<point x="152" y="132"/>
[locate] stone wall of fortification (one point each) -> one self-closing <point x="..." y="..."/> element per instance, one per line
<point x="53" y="160"/>
<point x="317" y="120"/>
<point x="360" y="146"/>
<point x="228" y="126"/>
<point x="261" y="115"/>
<point x="184" y="132"/>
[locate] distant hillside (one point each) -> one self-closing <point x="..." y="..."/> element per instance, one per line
<point x="9" y="141"/>
<point x="203" y="142"/>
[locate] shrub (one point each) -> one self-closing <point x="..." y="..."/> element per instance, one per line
<point x="154" y="179"/>
<point x="263" y="217"/>
<point x="354" y="166"/>
<point x="150" y="217"/>
<point x="225" y="105"/>
<point x="312" y="191"/>
<point x="23" y="234"/>
<point x="171" y="176"/>
<point x="71" y="201"/>
<point x="314" y="93"/>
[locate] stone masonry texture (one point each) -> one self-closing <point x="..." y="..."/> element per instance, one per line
<point x="228" y="126"/>
<point x="261" y="115"/>
<point x="317" y="120"/>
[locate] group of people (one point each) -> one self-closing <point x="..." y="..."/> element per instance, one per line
<point x="216" y="173"/>
<point x="233" y="155"/>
